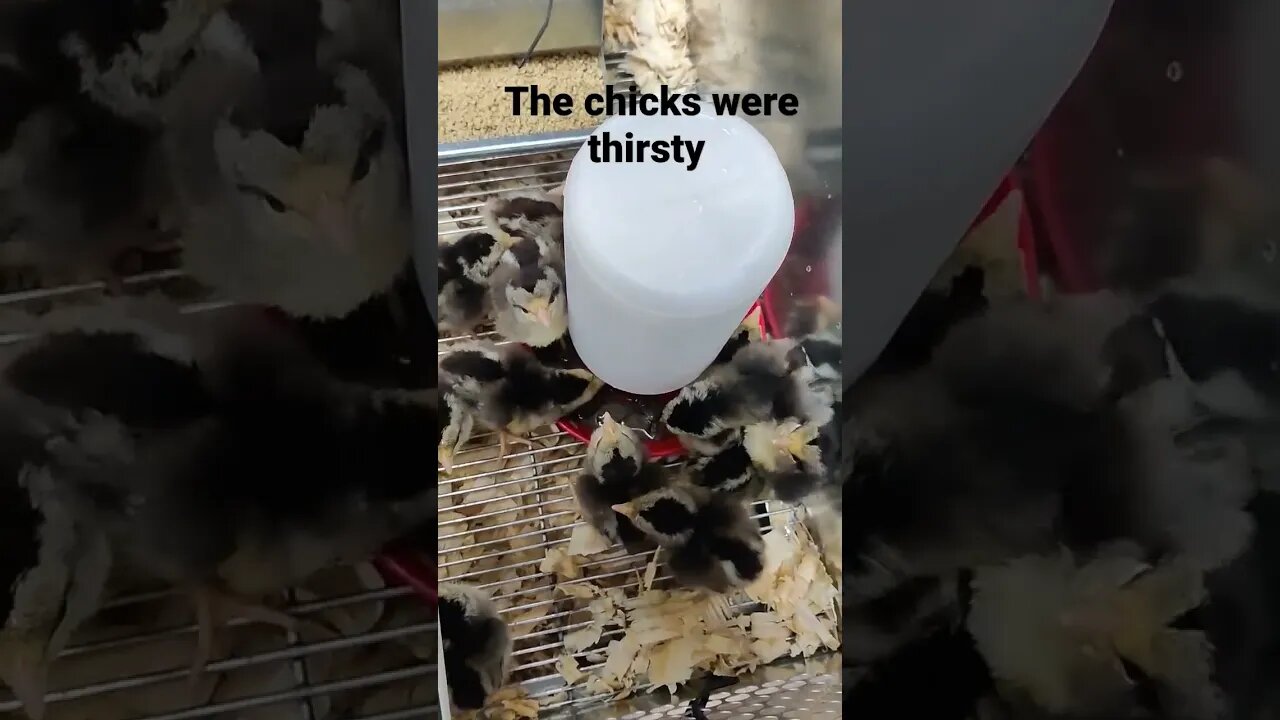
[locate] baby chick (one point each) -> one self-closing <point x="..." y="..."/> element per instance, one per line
<point x="1067" y="632"/>
<point x="53" y="566"/>
<point x="456" y="425"/>
<point x="527" y="294"/>
<point x="525" y="214"/>
<point x="710" y="539"/>
<point x="795" y="458"/>
<point x="815" y="323"/>
<point x="1009" y="442"/>
<point x="204" y="493"/>
<point x="507" y="390"/>
<point x="290" y="176"/>
<point x="527" y="288"/>
<point x="616" y="471"/>
<point x="477" y="645"/>
<point x="708" y="413"/>
<point x="463" y="269"/>
<point x="729" y="470"/>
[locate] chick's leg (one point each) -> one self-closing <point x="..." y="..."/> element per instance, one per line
<point x="25" y="669"/>
<point x="506" y="437"/>
<point x="213" y="609"/>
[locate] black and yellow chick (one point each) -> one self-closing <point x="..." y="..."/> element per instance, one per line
<point x="729" y="470"/>
<point x="709" y="539"/>
<point x="289" y="170"/>
<point x="464" y="267"/>
<point x="477" y="645"/>
<point x="226" y="461"/>
<point x="795" y="458"/>
<point x="616" y="470"/>
<point x="1011" y="441"/>
<point x="766" y="381"/>
<point x="507" y="390"/>
<point x="525" y="214"/>
<point x="1081" y="637"/>
<point x="708" y="413"/>
<point x="527" y="287"/>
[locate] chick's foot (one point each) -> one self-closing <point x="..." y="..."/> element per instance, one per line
<point x="214" y="609"/>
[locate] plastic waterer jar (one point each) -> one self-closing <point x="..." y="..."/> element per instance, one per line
<point x="663" y="262"/>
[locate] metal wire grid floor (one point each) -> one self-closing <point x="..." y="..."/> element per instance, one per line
<point x="131" y="663"/>
<point x="499" y="518"/>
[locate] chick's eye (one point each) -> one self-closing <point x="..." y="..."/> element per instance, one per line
<point x="272" y="201"/>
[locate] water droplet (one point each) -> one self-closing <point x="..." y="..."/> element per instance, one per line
<point x="828" y="196"/>
<point x="808" y="268"/>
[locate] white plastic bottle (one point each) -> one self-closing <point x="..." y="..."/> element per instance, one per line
<point x="663" y="262"/>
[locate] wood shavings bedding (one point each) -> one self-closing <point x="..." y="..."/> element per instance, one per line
<point x="668" y="636"/>
<point x="509" y="703"/>
<point x="473" y="106"/>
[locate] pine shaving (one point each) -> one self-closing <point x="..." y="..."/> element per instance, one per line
<point x="586" y="540"/>
<point x="561" y="563"/>
<point x="508" y="703"/>
<point x="669" y="636"/>
<point x="569" y="670"/>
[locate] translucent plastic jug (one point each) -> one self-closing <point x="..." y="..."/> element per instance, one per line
<point x="662" y="262"/>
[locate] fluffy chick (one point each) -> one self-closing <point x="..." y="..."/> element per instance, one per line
<point x="463" y="269"/>
<point x="477" y="645"/>
<point x="456" y="425"/>
<point x="1067" y="632"/>
<point x="527" y="293"/>
<point x="761" y="376"/>
<point x="525" y="214"/>
<point x="507" y="390"/>
<point x="795" y="458"/>
<point x="1011" y="442"/>
<point x="527" y="287"/>
<point x="710" y="539"/>
<point x="290" y="177"/>
<point x="201" y="492"/>
<point x="53" y="566"/>
<point x="728" y="470"/>
<point x="815" y="323"/>
<point x="616" y="471"/>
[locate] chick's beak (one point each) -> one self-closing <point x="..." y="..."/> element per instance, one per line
<point x="543" y="315"/>
<point x="609" y="428"/>
<point x="627" y="510"/>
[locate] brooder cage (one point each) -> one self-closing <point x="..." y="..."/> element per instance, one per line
<point x="510" y="526"/>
